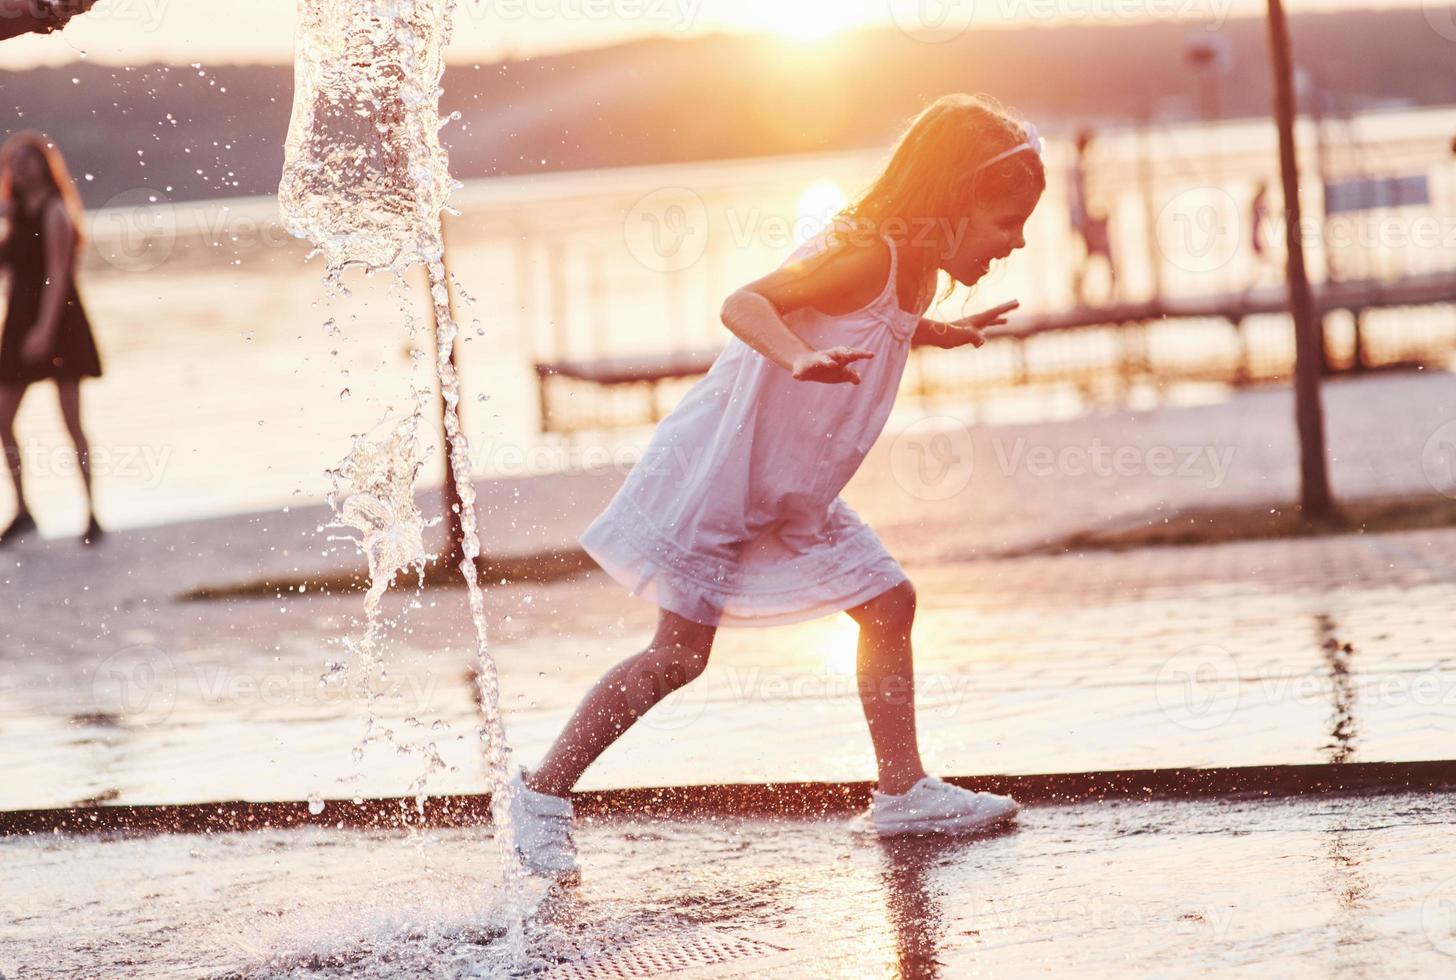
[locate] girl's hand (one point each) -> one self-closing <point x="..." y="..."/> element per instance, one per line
<point x="830" y="366"/>
<point x="968" y="330"/>
<point x="992" y="317"/>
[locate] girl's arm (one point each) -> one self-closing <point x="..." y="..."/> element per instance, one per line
<point x="755" y="312"/>
<point x="60" y="254"/>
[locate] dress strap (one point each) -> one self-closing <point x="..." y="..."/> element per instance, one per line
<point x="886" y="308"/>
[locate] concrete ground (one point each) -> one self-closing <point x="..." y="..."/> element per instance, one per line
<point x="1285" y="652"/>
<point x="1289" y="652"/>
<point x="1326" y="651"/>
<point x="1312" y="887"/>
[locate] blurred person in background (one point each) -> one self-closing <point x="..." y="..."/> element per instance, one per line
<point x="1265" y="263"/>
<point x="1091" y="228"/>
<point x="46" y="334"/>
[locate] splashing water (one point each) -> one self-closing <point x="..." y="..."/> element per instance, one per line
<point x="365" y="179"/>
<point x="365" y="176"/>
<point x="373" y="496"/>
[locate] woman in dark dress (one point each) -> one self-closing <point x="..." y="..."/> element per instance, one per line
<point x="46" y="333"/>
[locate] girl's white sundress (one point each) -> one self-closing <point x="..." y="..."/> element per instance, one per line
<point x="733" y="517"/>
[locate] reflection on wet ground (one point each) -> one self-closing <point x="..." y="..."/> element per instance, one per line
<point x="1329" y="650"/>
<point x="1340" y="887"/>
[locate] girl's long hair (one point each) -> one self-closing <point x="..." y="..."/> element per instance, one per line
<point x="925" y="178"/>
<point x="58" y="173"/>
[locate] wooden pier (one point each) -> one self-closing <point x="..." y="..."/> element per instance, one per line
<point x="648" y="373"/>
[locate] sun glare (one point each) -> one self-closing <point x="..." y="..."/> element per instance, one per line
<point x="808" y="25"/>
<point x="806" y="20"/>
<point x="816" y="205"/>
<point x="840" y="645"/>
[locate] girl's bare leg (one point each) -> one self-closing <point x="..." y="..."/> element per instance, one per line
<point x="677" y="655"/>
<point x="69" y="392"/>
<point x="10" y="396"/>
<point x="887" y="685"/>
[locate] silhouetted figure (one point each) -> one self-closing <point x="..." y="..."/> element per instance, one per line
<point x="46" y="333"/>
<point x="1091" y="228"/>
<point x="1259" y="215"/>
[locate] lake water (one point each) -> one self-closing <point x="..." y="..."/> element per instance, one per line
<point x="234" y="379"/>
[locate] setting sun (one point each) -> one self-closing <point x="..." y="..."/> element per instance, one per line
<point x="804" y="20"/>
<point x="807" y="25"/>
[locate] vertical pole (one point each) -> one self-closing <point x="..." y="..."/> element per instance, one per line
<point x="599" y="300"/>
<point x="1150" y="212"/>
<point x="1315" y="498"/>
<point x="556" y="275"/>
<point x="526" y="294"/>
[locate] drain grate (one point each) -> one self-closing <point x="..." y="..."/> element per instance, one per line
<point x="693" y="951"/>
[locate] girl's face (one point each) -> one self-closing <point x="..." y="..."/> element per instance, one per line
<point x="28" y="169"/>
<point x="990" y="231"/>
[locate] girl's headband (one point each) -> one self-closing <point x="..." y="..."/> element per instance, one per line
<point x="1033" y="142"/>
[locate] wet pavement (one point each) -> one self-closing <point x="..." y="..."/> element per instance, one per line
<point x="1339" y="649"/>
<point x="1313" y="652"/>
<point x="1311" y="887"/>
<point x="1326" y="650"/>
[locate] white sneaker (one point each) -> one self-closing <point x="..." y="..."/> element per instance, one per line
<point x="932" y="806"/>
<point x="543" y="830"/>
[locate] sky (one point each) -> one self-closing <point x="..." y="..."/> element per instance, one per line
<point x="251" y="31"/>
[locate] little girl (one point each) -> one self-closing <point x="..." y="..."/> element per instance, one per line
<point x="733" y="515"/>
